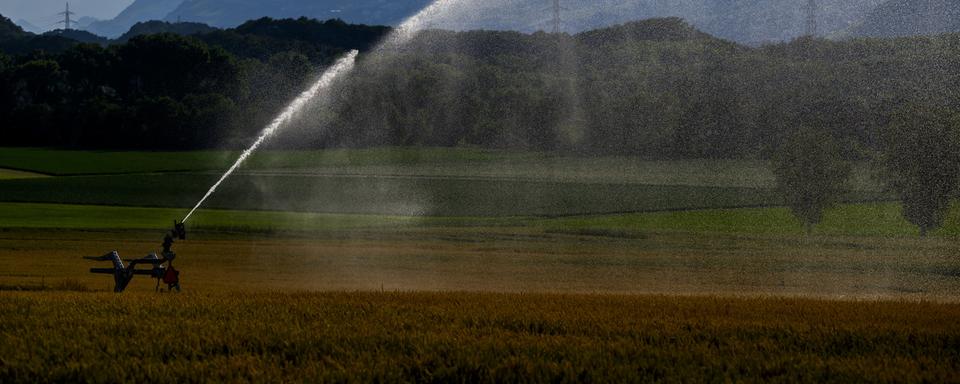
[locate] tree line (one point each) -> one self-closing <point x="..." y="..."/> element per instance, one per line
<point x="919" y="161"/>
<point x="657" y="89"/>
<point x="165" y="91"/>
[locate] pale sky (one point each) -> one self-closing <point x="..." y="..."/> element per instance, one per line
<point x="43" y="13"/>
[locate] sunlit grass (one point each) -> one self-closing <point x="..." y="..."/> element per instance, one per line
<point x="10" y="174"/>
<point x="875" y="219"/>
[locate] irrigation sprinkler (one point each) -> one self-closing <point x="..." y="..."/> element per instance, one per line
<point x="160" y="267"/>
<point x="123" y="274"/>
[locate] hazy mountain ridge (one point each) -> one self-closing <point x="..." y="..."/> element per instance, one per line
<point x="140" y="10"/>
<point x="745" y="21"/>
<point x="898" y="18"/>
<point x="28" y="26"/>
<point x="155" y="26"/>
<point x="15" y="40"/>
<point x="740" y="20"/>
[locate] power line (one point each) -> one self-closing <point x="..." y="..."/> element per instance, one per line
<point x="811" y="9"/>
<point x="556" y="16"/>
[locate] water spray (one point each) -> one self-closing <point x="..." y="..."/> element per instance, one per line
<point x="342" y="66"/>
<point x="162" y="267"/>
<point x="410" y="27"/>
<point x="401" y="35"/>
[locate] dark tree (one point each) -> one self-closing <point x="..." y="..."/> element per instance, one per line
<point x="810" y="173"/>
<point x="921" y="160"/>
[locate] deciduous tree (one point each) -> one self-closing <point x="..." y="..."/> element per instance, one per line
<point x="811" y="174"/>
<point x="921" y="160"/>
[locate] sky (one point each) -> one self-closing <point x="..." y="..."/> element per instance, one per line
<point x="43" y="13"/>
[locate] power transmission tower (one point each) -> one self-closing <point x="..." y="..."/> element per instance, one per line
<point x="811" y="9"/>
<point x="66" y="18"/>
<point x="556" y="16"/>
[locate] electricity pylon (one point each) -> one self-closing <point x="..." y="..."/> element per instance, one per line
<point x="66" y="18"/>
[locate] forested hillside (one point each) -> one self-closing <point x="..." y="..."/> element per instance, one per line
<point x="155" y="27"/>
<point x="896" y="18"/>
<point x="164" y="90"/>
<point x="14" y="40"/>
<point x="657" y="88"/>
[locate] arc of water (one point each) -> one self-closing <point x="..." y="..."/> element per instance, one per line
<point x="342" y="66"/>
<point x="401" y="35"/>
<point x="409" y="28"/>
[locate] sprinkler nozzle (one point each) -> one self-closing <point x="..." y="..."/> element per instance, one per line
<point x="180" y="229"/>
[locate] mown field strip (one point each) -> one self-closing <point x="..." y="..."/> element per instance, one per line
<point x="11" y="174"/>
<point x="426" y="162"/>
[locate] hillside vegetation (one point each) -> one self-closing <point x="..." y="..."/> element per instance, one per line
<point x="900" y="18"/>
<point x="156" y="27"/>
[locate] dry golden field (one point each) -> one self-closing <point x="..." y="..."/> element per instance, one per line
<point x="483" y="304"/>
<point x="473" y="337"/>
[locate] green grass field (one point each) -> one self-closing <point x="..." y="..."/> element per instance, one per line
<point x="422" y="162"/>
<point x="400" y="182"/>
<point x="860" y="220"/>
<point x="379" y="195"/>
<point x="9" y="174"/>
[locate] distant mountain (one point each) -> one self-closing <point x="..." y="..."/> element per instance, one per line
<point x="29" y="27"/>
<point x="140" y="10"/>
<point x="155" y="27"/>
<point x="746" y="21"/>
<point x="14" y="40"/>
<point x="896" y="18"/>
<point x="84" y="22"/>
